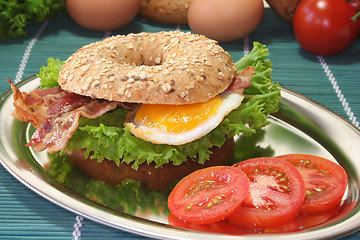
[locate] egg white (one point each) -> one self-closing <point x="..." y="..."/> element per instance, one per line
<point x="231" y="99"/>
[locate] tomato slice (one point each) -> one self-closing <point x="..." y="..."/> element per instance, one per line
<point x="276" y="194"/>
<point x="208" y="195"/>
<point x="325" y="181"/>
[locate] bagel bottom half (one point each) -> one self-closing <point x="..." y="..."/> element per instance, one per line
<point x="152" y="178"/>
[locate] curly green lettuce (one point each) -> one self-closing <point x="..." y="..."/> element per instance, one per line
<point x="105" y="137"/>
<point x="15" y="15"/>
<point x="129" y="196"/>
<point x="49" y="74"/>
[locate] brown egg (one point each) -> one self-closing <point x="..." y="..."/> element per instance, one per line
<point x="225" y="20"/>
<point x="102" y="15"/>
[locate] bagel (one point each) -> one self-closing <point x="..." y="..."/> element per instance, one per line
<point x="154" y="68"/>
<point x="165" y="11"/>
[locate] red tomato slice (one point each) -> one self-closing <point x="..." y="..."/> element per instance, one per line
<point x="208" y="195"/>
<point x="276" y="194"/>
<point x="325" y="181"/>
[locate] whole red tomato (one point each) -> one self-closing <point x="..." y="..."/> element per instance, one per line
<point x="324" y="27"/>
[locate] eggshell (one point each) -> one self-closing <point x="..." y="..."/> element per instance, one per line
<point x="225" y="20"/>
<point x="102" y="15"/>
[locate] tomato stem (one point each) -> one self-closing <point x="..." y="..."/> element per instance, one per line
<point x="355" y="17"/>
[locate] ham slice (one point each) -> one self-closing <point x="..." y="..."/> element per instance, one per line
<point x="55" y="113"/>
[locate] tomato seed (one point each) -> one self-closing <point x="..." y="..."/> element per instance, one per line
<point x="324" y="171"/>
<point x="283" y="180"/>
<point x="309" y="193"/>
<point x="318" y="189"/>
<point x="279" y="175"/>
<point x="220" y="197"/>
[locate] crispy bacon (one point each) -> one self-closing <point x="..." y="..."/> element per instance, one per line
<point x="242" y="79"/>
<point x="55" y="113"/>
<point x="28" y="107"/>
<point x="54" y="133"/>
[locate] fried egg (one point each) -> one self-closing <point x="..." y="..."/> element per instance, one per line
<point x="181" y="124"/>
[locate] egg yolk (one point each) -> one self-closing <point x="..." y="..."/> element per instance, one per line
<point x="177" y="118"/>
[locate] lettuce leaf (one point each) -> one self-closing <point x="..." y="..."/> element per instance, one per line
<point x="49" y="74"/>
<point x="129" y="196"/>
<point x="261" y="98"/>
<point x="118" y="144"/>
<point x="105" y="137"/>
<point x="15" y="15"/>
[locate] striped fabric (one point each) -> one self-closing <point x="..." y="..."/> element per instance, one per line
<point x="332" y="81"/>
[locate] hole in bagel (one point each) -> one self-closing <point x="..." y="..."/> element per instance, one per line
<point x="137" y="52"/>
<point x="151" y="52"/>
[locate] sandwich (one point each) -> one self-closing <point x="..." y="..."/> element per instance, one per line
<point x="154" y="143"/>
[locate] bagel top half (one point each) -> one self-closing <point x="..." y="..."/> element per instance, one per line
<point x="153" y="68"/>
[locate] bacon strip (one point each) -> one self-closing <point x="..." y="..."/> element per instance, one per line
<point x="28" y="107"/>
<point x="54" y="133"/>
<point x="55" y="113"/>
<point x="242" y="79"/>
